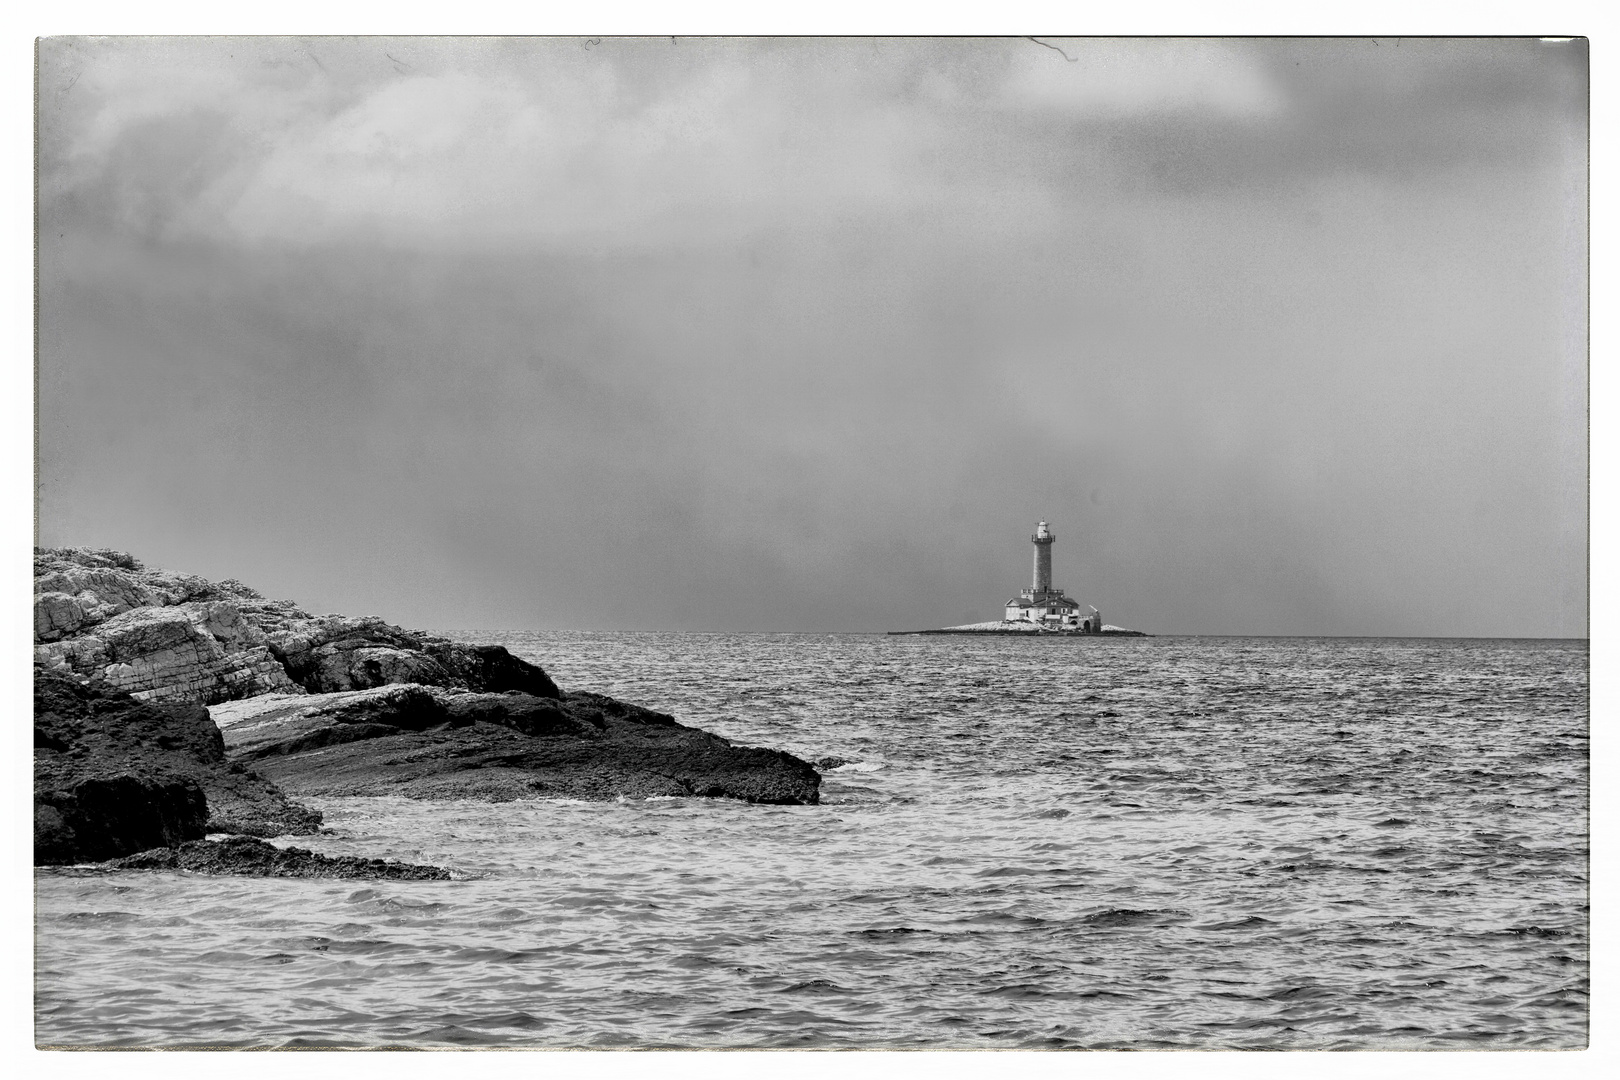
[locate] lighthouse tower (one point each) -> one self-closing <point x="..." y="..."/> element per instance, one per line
<point x="1043" y="558"/>
<point x="1041" y="603"/>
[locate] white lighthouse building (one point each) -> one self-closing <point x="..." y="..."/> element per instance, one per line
<point x="1044" y="605"/>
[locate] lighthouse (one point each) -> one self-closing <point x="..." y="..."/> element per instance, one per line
<point x="1041" y="603"/>
<point x="1043" y="557"/>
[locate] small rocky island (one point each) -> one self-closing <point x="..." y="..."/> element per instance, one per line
<point x="1042" y="609"/>
<point x="168" y="707"/>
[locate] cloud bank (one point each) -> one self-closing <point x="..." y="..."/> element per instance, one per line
<point x="1283" y="337"/>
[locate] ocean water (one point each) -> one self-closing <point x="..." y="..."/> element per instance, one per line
<point x="1164" y="842"/>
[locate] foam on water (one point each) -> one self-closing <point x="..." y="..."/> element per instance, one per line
<point x="1167" y="842"/>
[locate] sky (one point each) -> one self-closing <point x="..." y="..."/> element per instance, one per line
<point x="1282" y="336"/>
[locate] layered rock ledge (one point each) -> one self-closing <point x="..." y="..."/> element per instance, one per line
<point x="177" y="637"/>
<point x="436" y="743"/>
<point x="131" y="661"/>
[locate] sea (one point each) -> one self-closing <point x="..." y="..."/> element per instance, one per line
<point x="1105" y="843"/>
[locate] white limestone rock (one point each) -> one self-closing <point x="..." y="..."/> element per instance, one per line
<point x="286" y="723"/>
<point x="200" y="651"/>
<point x="156" y="635"/>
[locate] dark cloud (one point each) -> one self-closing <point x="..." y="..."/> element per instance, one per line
<point x="1401" y="109"/>
<point x="807" y="335"/>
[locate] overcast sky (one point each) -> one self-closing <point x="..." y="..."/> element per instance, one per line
<point x="1282" y="337"/>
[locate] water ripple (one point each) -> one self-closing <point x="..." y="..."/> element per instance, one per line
<point x="1162" y="843"/>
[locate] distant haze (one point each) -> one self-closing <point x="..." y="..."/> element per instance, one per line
<point x="1281" y="337"/>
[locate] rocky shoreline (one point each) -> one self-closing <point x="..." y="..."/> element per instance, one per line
<point x="168" y="707"/>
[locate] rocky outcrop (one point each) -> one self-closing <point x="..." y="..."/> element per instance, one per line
<point x="177" y="637"/>
<point x="76" y="589"/>
<point x="114" y="776"/>
<point x="438" y="743"/>
<point x="281" y="724"/>
<point x="92" y="818"/>
<point x="333" y="653"/>
<point x="323" y="705"/>
<point x="244" y="857"/>
<point x="202" y="651"/>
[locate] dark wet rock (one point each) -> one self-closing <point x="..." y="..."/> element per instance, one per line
<point x="831" y="762"/>
<point x="434" y="743"/>
<point x="101" y="817"/>
<point x="490" y="669"/>
<point x="333" y="653"/>
<point x="113" y="776"/>
<point x="359" y="662"/>
<point x="524" y="713"/>
<point x="598" y="709"/>
<point x="245" y="857"/>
